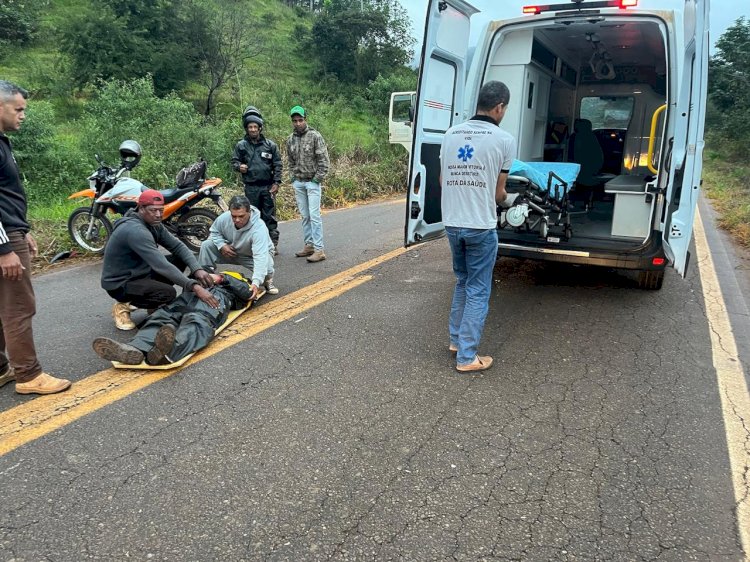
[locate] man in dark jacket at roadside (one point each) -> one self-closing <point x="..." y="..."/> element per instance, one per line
<point x="259" y="161"/>
<point x="136" y="272"/>
<point x="182" y="327"/>
<point x="18" y="359"/>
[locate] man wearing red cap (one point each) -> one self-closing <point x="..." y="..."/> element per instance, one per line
<point x="136" y="272"/>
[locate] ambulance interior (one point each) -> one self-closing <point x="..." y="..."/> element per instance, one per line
<point x="590" y="91"/>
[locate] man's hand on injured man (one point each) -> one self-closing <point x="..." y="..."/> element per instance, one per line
<point x="205" y="296"/>
<point x="204" y="278"/>
<point x="255" y="290"/>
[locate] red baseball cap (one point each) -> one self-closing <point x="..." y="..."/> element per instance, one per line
<point x="150" y="197"/>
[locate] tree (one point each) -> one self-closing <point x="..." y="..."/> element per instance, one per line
<point x="357" y="40"/>
<point x="223" y="51"/>
<point x="125" y="39"/>
<point x="18" y="21"/>
<point x="729" y="82"/>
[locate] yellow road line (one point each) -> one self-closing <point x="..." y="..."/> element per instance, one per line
<point x="45" y="414"/>
<point x="735" y="400"/>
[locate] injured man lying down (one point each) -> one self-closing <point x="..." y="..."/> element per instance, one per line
<point x="182" y="327"/>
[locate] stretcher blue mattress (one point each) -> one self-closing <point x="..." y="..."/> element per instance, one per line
<point x="538" y="172"/>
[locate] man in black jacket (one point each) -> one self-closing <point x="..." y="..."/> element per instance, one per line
<point x="18" y="359"/>
<point x="180" y="328"/>
<point x="259" y="161"/>
<point x="136" y="272"/>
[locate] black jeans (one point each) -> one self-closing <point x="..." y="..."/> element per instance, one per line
<point x="149" y="292"/>
<point x="261" y="198"/>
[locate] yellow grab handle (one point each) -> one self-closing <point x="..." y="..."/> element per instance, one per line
<point x="652" y="139"/>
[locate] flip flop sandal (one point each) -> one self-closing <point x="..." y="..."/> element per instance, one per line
<point x="480" y="364"/>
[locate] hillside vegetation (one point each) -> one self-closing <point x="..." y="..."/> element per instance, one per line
<point x="727" y="174"/>
<point x="102" y="71"/>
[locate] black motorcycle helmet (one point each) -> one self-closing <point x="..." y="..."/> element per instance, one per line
<point x="130" y="154"/>
<point x="251" y="115"/>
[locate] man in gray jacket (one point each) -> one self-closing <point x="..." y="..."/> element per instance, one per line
<point x="308" y="165"/>
<point x="240" y="237"/>
<point x="136" y="272"/>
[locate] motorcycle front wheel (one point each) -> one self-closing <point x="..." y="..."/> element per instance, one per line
<point x="193" y="227"/>
<point x="88" y="231"/>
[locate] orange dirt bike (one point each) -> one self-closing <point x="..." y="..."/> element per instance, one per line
<point x="113" y="194"/>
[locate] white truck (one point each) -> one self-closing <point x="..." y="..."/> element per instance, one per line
<point x="628" y="77"/>
<point x="400" y="118"/>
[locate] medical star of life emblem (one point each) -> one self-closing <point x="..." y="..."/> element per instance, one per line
<point x="466" y="153"/>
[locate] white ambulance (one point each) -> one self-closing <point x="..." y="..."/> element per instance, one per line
<point x="614" y="90"/>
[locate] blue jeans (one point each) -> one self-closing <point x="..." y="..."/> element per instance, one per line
<point x="474" y="254"/>
<point x="307" y="194"/>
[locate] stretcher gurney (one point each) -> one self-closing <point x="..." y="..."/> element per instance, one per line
<point x="543" y="203"/>
<point x="233" y="315"/>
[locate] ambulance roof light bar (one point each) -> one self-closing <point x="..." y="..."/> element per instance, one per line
<point x="579" y="5"/>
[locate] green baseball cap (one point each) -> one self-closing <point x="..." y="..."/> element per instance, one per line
<point x="298" y="109"/>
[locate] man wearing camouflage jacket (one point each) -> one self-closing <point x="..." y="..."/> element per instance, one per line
<point x="308" y="164"/>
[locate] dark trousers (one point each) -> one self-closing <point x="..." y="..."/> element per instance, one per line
<point x="17" y="308"/>
<point x="261" y="198"/>
<point x="194" y="322"/>
<point x="149" y="292"/>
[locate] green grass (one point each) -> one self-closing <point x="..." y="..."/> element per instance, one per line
<point x="49" y="225"/>
<point x="727" y="184"/>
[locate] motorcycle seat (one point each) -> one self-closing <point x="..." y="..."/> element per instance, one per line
<point x="175" y="193"/>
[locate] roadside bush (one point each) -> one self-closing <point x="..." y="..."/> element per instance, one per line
<point x="35" y="138"/>
<point x="168" y="129"/>
<point x="18" y="21"/>
<point x="52" y="165"/>
<point x="378" y="92"/>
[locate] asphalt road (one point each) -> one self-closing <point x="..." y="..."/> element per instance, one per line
<point x="344" y="432"/>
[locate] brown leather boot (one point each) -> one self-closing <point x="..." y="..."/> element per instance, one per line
<point x="317" y="255"/>
<point x="121" y="315"/>
<point x="163" y="342"/>
<point x="306" y="251"/>
<point x="42" y="384"/>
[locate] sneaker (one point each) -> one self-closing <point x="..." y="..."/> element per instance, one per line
<point x="112" y="350"/>
<point x="306" y="251"/>
<point x="121" y="314"/>
<point x="271" y="289"/>
<point x="479" y="364"/>
<point x="7" y="375"/>
<point x="42" y="384"/>
<point x="163" y="342"/>
<point x="316" y="256"/>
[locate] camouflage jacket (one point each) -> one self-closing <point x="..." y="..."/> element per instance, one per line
<point x="308" y="156"/>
